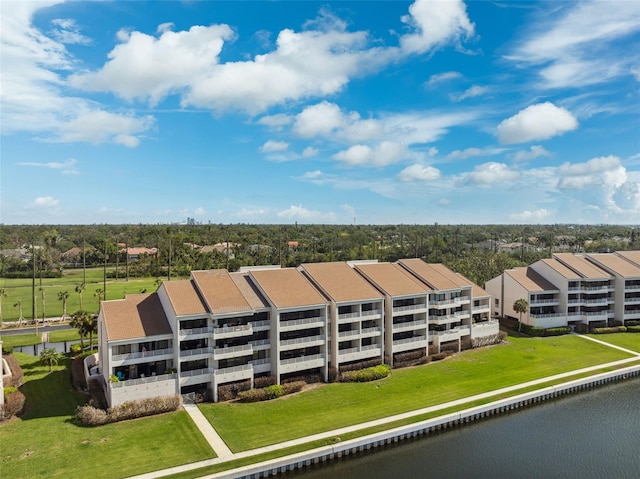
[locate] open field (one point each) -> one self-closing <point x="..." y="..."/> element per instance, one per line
<point x="19" y="289"/>
<point x="45" y="443"/>
<point x="248" y="426"/>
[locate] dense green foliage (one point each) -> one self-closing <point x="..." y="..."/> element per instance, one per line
<point x="365" y="375"/>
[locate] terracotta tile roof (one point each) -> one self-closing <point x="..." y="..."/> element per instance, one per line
<point x="437" y="276"/>
<point x="220" y="292"/>
<point x="530" y="280"/>
<point x="582" y="266"/>
<point x="249" y="290"/>
<point x="633" y="256"/>
<point x="135" y="316"/>
<point x="287" y="288"/>
<point x="618" y="265"/>
<point x="341" y="282"/>
<point x="477" y="291"/>
<point x="561" y="269"/>
<point x="392" y="279"/>
<point x="184" y="298"/>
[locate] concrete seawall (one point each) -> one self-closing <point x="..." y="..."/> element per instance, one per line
<point x="354" y="446"/>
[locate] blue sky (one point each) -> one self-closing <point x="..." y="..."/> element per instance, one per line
<point x="320" y="112"/>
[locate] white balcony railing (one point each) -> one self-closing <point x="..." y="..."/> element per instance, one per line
<point x="414" y="339"/>
<point x="306" y="322"/>
<point x="421" y="323"/>
<point x="234" y="370"/>
<point x="196" y="352"/>
<point x="233" y="331"/>
<point x="372" y="312"/>
<point x="222" y="353"/>
<point x="410" y="307"/>
<point x="142" y="354"/>
<point x="261" y="324"/>
<point x="192" y="331"/>
<point x="302" y="341"/>
<point x="196" y="372"/>
<point x="302" y="359"/>
<point x="139" y="381"/>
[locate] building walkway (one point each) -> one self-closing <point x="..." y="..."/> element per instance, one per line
<point x="223" y="457"/>
<point x="207" y="430"/>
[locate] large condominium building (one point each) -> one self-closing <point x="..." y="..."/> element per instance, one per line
<point x="571" y="289"/>
<point x="220" y="328"/>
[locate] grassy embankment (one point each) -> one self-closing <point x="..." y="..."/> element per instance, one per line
<point x="19" y="289"/>
<point x="46" y="443"/>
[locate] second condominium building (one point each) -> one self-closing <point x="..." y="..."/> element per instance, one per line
<point x="220" y="328"/>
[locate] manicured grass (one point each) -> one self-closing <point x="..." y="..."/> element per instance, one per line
<point x="624" y="340"/>
<point x="21" y="340"/>
<point x="19" y="289"/>
<point x="66" y="335"/>
<point x="248" y="426"/>
<point x="46" y="443"/>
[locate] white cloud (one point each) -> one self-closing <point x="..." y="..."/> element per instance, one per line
<point x="100" y="126"/>
<point x="165" y="27"/>
<point x="577" y="44"/>
<point x="277" y="122"/>
<point x="318" y="120"/>
<point x="527" y="216"/>
<point x="435" y="24"/>
<point x="444" y="202"/>
<point x="471" y="92"/>
<point x="299" y="213"/>
<point x="606" y="171"/>
<point x="530" y="154"/>
<point x="310" y="152"/>
<point x="66" y="167"/>
<point x="46" y="202"/>
<point x="490" y="173"/>
<point x="536" y="122"/>
<point x="67" y="31"/>
<point x="419" y="172"/>
<point x="441" y="78"/>
<point x="200" y="211"/>
<point x="273" y="146"/>
<point x="382" y="154"/>
<point x="471" y="152"/>
<point x="256" y="213"/>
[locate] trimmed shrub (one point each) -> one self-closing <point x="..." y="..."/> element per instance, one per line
<point x="559" y="331"/>
<point x="532" y="330"/>
<point x="633" y="329"/>
<point x="307" y="378"/>
<point x="291" y="388"/>
<point x="366" y="375"/>
<point x="75" y="349"/>
<point x="332" y="375"/>
<point x="253" y="395"/>
<point x="432" y="349"/>
<point x="489" y="340"/>
<point x="92" y="416"/>
<point x="632" y="322"/>
<point x="264" y="381"/>
<point x="357" y="366"/>
<point x="615" y="323"/>
<point x="582" y="328"/>
<point x="451" y="346"/>
<point x="274" y="391"/>
<point x="227" y="392"/>
<point x="440" y="356"/>
<point x="409" y="356"/>
<point x="13" y="404"/>
<point x="618" y="329"/>
<point x="466" y="343"/>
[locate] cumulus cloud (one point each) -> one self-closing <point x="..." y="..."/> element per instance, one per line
<point x="382" y="154"/>
<point x="490" y="173"/>
<point x="299" y="213"/>
<point x="536" y="122"/>
<point x="65" y="30"/>
<point x="471" y="92"/>
<point x="606" y="171"/>
<point x="272" y="146"/>
<point x="530" y="154"/>
<point x="528" y="216"/>
<point x="471" y="152"/>
<point x="310" y="152"/>
<point x="435" y="24"/>
<point x="45" y="202"/>
<point x="419" y="172"/>
<point x="100" y="126"/>
<point x="318" y="120"/>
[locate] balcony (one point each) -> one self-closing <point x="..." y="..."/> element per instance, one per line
<point x="448" y="335"/>
<point x="232" y="352"/>
<point x="260" y="325"/>
<point x="196" y="331"/>
<point x="305" y="342"/>
<point x="481" y="308"/>
<point x="349" y="334"/>
<point x="360" y="353"/>
<point x="260" y="344"/>
<point x="301" y="363"/>
<point x="233" y="331"/>
<point x="419" y="324"/>
<point x="191" y="353"/>
<point x="408" y="344"/>
<point x="261" y="365"/>
<point x="368" y="332"/>
<point x="465" y="330"/>
<point x="548" y="315"/>
<point x="143" y="381"/>
<point x="236" y="373"/>
<point x="632" y="287"/>
<point x="196" y="372"/>
<point x="372" y="312"/>
<point x="410" y="307"/>
<point x="632" y="300"/>
<point x="444" y="319"/>
<point x="136" y="357"/>
<point x="486" y="328"/>
<point x="535" y="302"/>
<point x="628" y="315"/>
<point x="306" y="323"/>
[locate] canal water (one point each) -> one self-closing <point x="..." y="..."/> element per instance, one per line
<point x="588" y="435"/>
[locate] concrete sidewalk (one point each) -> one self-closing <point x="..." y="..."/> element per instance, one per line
<point x="207" y="430"/>
<point x="377" y="422"/>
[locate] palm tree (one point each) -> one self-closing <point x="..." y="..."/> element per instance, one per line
<point x="99" y="294"/>
<point x="18" y="304"/>
<point x="520" y="306"/>
<point x="49" y="357"/>
<point x="80" y="321"/>
<point x="79" y="289"/>
<point x="3" y="294"/>
<point x="63" y="296"/>
<point x="92" y="328"/>
<point x="43" y="304"/>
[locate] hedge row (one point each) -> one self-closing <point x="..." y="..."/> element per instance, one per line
<point x="633" y="329"/>
<point x="13" y="403"/>
<point x="366" y="375"/>
<point x="559" y="331"/>
<point x="270" y="392"/>
<point x="91" y="416"/>
<point x="616" y="329"/>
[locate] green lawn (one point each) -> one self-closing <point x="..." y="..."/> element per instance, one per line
<point x="45" y="443"/>
<point x="19" y="289"/>
<point x="20" y="340"/>
<point x="624" y="340"/>
<point x="248" y="426"/>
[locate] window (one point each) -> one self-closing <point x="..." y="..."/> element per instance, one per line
<point x="497" y="303"/>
